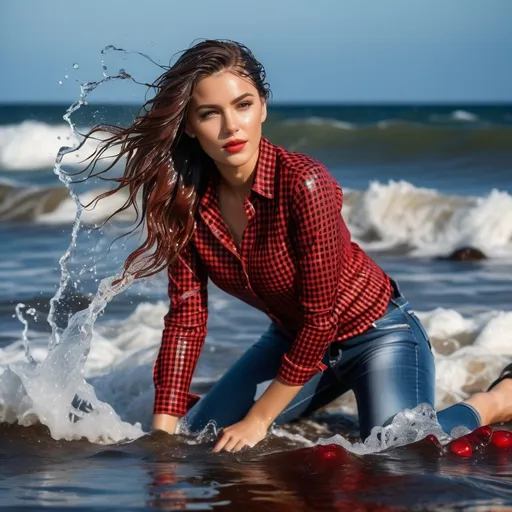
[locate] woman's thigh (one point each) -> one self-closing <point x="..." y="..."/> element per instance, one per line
<point x="235" y="393"/>
<point x="390" y="368"/>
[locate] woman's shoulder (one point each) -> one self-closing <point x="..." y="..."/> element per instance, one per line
<point x="298" y="167"/>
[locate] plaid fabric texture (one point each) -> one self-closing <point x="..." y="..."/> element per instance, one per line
<point x="296" y="263"/>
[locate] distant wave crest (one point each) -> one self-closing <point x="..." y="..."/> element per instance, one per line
<point x="34" y="145"/>
<point x="400" y="216"/>
<point x="396" y="216"/>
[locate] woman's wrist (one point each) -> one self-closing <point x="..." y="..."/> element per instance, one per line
<point x="256" y="417"/>
<point x="165" y="422"/>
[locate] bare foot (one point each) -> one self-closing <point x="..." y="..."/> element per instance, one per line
<point x="494" y="406"/>
<point x="502" y="394"/>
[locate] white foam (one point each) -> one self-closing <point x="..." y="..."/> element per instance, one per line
<point x="42" y="390"/>
<point x="34" y="145"/>
<point x="119" y="368"/>
<point x="463" y="115"/>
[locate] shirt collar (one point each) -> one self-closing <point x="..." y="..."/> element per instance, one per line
<point x="264" y="179"/>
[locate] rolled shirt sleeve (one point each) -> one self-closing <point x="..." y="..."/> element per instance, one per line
<point x="320" y="234"/>
<point x="183" y="335"/>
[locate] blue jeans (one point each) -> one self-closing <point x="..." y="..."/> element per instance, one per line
<point x="389" y="367"/>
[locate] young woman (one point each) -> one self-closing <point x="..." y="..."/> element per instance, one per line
<point x="221" y="202"/>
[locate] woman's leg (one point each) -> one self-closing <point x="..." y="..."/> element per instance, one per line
<point x="235" y="393"/>
<point x="391" y="368"/>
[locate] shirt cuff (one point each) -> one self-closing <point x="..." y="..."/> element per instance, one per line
<point x="295" y="374"/>
<point x="177" y="403"/>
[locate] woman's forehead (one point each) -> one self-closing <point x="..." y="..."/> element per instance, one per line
<point x="221" y="88"/>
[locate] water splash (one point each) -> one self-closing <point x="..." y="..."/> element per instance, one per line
<point x="408" y="426"/>
<point x="43" y="392"/>
<point x="24" y="334"/>
<point x="85" y="90"/>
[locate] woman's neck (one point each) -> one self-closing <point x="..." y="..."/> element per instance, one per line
<point x="237" y="181"/>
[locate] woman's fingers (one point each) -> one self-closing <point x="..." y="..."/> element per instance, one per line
<point x="241" y="444"/>
<point x="228" y="447"/>
<point x="230" y="443"/>
<point x="221" y="442"/>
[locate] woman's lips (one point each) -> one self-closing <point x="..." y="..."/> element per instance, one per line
<point x="235" y="146"/>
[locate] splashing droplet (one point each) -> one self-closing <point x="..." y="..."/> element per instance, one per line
<point x="75" y="66"/>
<point x="66" y="76"/>
<point x="60" y="82"/>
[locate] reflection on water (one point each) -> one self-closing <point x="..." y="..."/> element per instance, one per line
<point x="166" y="473"/>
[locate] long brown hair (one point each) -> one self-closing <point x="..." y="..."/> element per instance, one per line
<point x="168" y="167"/>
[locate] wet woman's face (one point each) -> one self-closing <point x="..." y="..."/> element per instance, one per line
<point x="225" y="114"/>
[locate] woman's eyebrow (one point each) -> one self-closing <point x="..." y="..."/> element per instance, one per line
<point x="236" y="100"/>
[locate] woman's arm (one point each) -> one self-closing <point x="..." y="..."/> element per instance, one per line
<point x="253" y="428"/>
<point x="165" y="422"/>
<point x="273" y="402"/>
<point x="182" y="339"/>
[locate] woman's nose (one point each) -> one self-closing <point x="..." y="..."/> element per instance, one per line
<point x="230" y="124"/>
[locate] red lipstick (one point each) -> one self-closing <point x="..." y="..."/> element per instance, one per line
<point x="235" y="145"/>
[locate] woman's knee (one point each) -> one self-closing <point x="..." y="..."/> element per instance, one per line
<point x="398" y="374"/>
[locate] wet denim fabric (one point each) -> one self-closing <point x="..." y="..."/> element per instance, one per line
<point x="389" y="367"/>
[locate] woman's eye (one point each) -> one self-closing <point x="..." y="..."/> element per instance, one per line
<point x="206" y="115"/>
<point x="244" y="105"/>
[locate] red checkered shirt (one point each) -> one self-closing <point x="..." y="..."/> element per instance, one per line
<point x="296" y="263"/>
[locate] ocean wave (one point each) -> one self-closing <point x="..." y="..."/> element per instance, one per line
<point x="34" y="145"/>
<point x="394" y="216"/>
<point x="469" y="353"/>
<point x="391" y="138"/>
<point x="401" y="217"/>
<point x="462" y="116"/>
<point x="54" y="205"/>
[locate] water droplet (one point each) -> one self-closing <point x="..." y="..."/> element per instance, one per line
<point x="58" y="137"/>
<point x="75" y="66"/>
<point x="66" y="76"/>
<point x="60" y="82"/>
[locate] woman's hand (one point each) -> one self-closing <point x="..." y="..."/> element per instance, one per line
<point x="248" y="432"/>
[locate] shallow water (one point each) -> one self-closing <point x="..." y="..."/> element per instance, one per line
<point x="162" y="472"/>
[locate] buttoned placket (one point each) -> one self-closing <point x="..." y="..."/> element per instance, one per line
<point x="213" y="216"/>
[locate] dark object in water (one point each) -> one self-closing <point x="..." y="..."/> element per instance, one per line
<point x="80" y="406"/>
<point x="465" y="254"/>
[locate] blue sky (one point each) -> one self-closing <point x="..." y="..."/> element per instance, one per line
<point x="314" y="51"/>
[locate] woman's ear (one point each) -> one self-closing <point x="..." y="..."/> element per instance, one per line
<point x="263" y="111"/>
